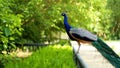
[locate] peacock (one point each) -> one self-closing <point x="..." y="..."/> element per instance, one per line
<point x="84" y="36"/>
<point x="78" y="34"/>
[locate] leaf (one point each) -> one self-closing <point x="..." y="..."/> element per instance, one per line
<point x="7" y="31"/>
<point x="11" y="38"/>
<point x="5" y="46"/>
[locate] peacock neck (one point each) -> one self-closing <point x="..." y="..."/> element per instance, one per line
<point x="67" y="26"/>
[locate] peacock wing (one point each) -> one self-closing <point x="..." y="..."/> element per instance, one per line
<point x="83" y="34"/>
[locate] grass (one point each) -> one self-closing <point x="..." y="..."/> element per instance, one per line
<point x="47" y="57"/>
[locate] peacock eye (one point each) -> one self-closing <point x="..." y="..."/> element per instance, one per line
<point x="63" y="14"/>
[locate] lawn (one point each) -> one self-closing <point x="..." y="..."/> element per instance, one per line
<point x="56" y="56"/>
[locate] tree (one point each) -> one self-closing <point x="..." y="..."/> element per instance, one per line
<point x="114" y="5"/>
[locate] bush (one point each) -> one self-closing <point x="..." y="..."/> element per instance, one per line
<point x="10" y="26"/>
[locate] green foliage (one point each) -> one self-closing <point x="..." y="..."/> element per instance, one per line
<point x="38" y="19"/>
<point x="4" y="59"/>
<point x="47" y="57"/>
<point x="115" y="16"/>
<point x="41" y="20"/>
<point x="91" y="15"/>
<point x="10" y="26"/>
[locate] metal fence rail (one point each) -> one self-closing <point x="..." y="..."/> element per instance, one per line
<point x="78" y="60"/>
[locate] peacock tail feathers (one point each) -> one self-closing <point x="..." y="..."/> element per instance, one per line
<point x="107" y="52"/>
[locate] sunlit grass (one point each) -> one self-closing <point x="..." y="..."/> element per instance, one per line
<point x="47" y="57"/>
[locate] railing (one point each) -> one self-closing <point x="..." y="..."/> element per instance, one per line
<point x="79" y="62"/>
<point x="76" y="56"/>
<point x="31" y="46"/>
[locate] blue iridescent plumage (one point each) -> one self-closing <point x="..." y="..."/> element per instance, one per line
<point x="67" y="26"/>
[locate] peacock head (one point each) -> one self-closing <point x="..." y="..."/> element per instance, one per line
<point x="63" y="14"/>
